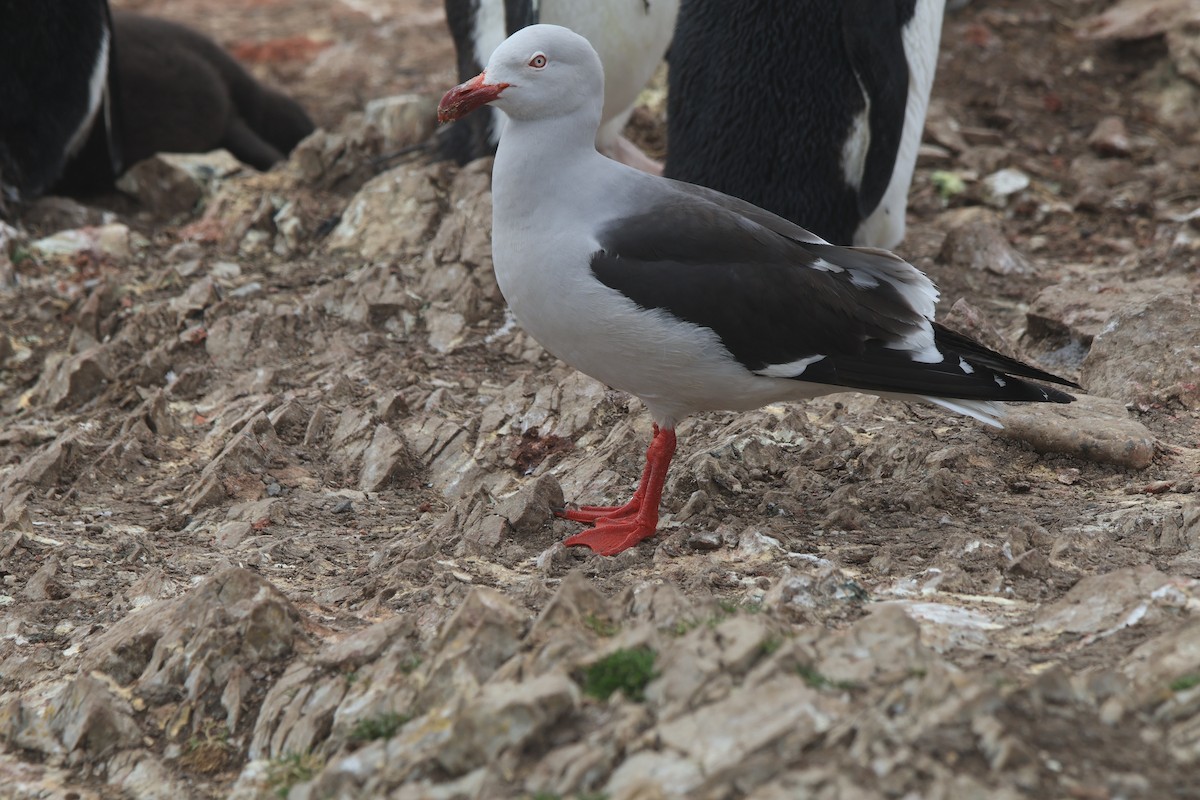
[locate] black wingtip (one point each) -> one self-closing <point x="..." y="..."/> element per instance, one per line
<point x="950" y="341"/>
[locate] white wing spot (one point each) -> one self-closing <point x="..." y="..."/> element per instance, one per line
<point x="863" y="280"/>
<point x="824" y="266"/>
<point x="999" y="381"/>
<point x="964" y="366"/>
<point x="792" y="369"/>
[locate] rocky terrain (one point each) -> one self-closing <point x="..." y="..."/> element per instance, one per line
<point x="276" y="470"/>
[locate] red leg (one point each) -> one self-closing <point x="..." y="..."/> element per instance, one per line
<point x="613" y="534"/>
<point x="596" y="513"/>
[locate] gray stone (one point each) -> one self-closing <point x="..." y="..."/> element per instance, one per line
<point x="735" y="736"/>
<point x="445" y="329"/>
<point x="143" y="775"/>
<point x="92" y="720"/>
<point x="529" y="509"/>
<point x="1001" y="185"/>
<point x="112" y="240"/>
<point x="1148" y="353"/>
<point x="401" y="120"/>
<point x="71" y="380"/>
<point x="1110" y="138"/>
<point x="237" y="471"/>
<point x="392" y="215"/>
<point x="648" y="774"/>
<point x="1077" y="309"/>
<point x="883" y="648"/>
<point x="50" y="462"/>
<point x="200" y="294"/>
<point x="386" y="460"/>
<point x="484" y="632"/>
<point x="1155" y="665"/>
<point x="975" y="240"/>
<point x="506" y="716"/>
<point x="189" y="647"/>
<point x="162" y="186"/>
<point x="1091" y="428"/>
<point x="1102" y="604"/>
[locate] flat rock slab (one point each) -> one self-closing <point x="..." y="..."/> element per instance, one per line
<point x="1092" y="428"/>
<point x="1080" y="308"/>
<point x="975" y="239"/>
<point x="1148" y="352"/>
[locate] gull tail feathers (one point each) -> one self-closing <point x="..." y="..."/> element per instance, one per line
<point x="985" y="411"/>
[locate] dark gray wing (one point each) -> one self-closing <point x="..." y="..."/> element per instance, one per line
<point x="842" y="316"/>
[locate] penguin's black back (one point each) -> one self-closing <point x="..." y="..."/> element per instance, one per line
<point x="762" y="96"/>
<point x="48" y="55"/>
<point x="181" y="92"/>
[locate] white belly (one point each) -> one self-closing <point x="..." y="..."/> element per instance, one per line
<point x="675" y="368"/>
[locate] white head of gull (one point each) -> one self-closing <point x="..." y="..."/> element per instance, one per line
<point x="690" y="299"/>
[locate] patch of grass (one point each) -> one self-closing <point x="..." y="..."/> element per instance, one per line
<point x="770" y="645"/>
<point x="731" y="607"/>
<point x="409" y="664"/>
<point x="1185" y="682"/>
<point x="20" y="255"/>
<point x="601" y="626"/>
<point x="626" y="671"/>
<point x="818" y="681"/>
<point x="381" y="726"/>
<point x="209" y="751"/>
<point x="286" y="771"/>
<point x="683" y="626"/>
<point x="947" y="184"/>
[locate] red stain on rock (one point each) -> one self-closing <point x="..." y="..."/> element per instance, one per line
<point x="275" y="51"/>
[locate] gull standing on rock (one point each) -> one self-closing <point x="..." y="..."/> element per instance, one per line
<point x="690" y="299"/>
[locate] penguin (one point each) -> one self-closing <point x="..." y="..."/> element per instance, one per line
<point x="181" y="92"/>
<point x="812" y="109"/>
<point x="630" y="36"/>
<point x="55" y="94"/>
<point x="86" y="92"/>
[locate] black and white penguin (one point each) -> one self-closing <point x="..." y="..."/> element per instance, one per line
<point x="84" y="93"/>
<point x="812" y="109"/>
<point x="631" y="37"/>
<point x="55" y="96"/>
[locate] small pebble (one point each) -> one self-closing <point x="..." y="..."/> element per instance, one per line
<point x="344" y="507"/>
<point x="1110" y="138"/>
<point x="705" y="540"/>
<point x="274" y="490"/>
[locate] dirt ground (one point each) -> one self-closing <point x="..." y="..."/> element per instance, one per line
<point x="275" y="476"/>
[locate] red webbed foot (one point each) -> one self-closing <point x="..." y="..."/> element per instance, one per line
<point x="609" y="537"/>
<point x="618" y="528"/>
<point x="598" y="513"/>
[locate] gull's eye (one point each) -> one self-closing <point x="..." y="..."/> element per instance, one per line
<point x="538" y="61"/>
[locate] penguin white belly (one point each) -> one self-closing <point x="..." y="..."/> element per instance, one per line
<point x="885" y="226"/>
<point x="631" y="37"/>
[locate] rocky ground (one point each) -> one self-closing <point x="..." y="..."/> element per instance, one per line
<point x="276" y="470"/>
